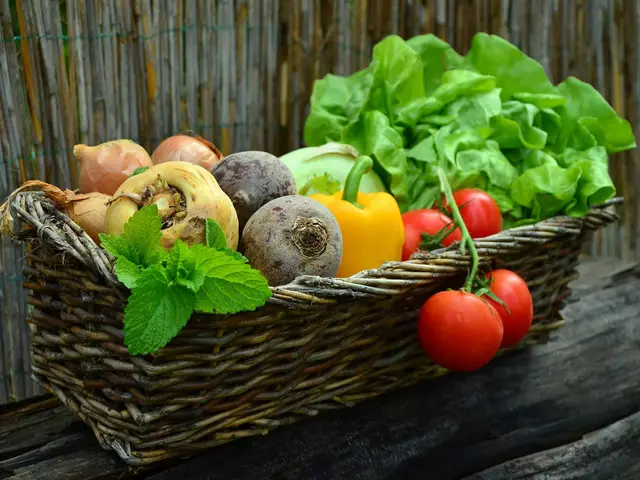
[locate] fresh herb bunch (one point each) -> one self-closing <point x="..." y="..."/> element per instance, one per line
<point x="168" y="286"/>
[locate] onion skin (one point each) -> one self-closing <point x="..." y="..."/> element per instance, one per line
<point x="88" y="211"/>
<point x="187" y="148"/>
<point x="201" y="193"/>
<point x="62" y="198"/>
<point x="104" y="167"/>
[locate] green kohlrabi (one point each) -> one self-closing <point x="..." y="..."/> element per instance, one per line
<point x="324" y="169"/>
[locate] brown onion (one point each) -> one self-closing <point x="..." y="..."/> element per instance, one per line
<point x="105" y="167"/>
<point x="88" y="211"/>
<point x="187" y="147"/>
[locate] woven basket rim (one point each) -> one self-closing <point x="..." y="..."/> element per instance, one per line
<point x="56" y="228"/>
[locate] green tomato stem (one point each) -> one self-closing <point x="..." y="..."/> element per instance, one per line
<point x="466" y="240"/>
<point x="352" y="183"/>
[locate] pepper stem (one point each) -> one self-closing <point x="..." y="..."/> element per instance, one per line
<point x="466" y="240"/>
<point x="352" y="183"/>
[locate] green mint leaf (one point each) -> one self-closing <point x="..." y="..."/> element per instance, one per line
<point x="156" y="311"/>
<point x="216" y="239"/>
<point x="138" y="171"/>
<point x="140" y="241"/>
<point x="194" y="263"/>
<point x="227" y="283"/>
<point x="127" y="267"/>
<point x="204" y="258"/>
<point x="143" y="231"/>
<point x="127" y="272"/>
<point x="119" y="246"/>
<point x="138" y="247"/>
<point x="236" y="255"/>
<point x="181" y="263"/>
<point x="214" y="235"/>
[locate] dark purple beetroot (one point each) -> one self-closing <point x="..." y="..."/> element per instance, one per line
<point x="291" y="236"/>
<point x="252" y="179"/>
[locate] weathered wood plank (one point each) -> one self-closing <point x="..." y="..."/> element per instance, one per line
<point x="490" y="421"/>
<point x="52" y="449"/>
<point x="612" y="452"/>
<point x="82" y="464"/>
<point x="32" y="431"/>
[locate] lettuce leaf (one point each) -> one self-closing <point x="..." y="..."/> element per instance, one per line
<point x="590" y="121"/>
<point x="515" y="73"/>
<point x="491" y="119"/>
<point x="436" y="56"/>
<point x="372" y="133"/>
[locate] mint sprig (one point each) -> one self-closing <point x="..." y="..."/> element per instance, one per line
<point x="156" y="312"/>
<point x="167" y="287"/>
<point x="138" y="247"/>
<point x="214" y="235"/>
<point x="215" y="238"/>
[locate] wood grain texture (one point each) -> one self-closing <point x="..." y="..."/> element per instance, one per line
<point x="532" y="410"/>
<point x="612" y="452"/>
<point x="240" y="73"/>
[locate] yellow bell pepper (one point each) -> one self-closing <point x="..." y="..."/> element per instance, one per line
<point x="371" y="223"/>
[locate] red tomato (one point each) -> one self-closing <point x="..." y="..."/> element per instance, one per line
<point x="459" y="331"/>
<point x="428" y="221"/>
<point x="481" y="213"/>
<point x="514" y="293"/>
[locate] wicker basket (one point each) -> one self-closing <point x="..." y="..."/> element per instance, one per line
<point x="319" y="343"/>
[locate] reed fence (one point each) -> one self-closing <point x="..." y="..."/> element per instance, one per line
<point x="240" y="73"/>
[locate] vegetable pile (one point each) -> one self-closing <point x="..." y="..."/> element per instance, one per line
<point x="468" y="146"/>
<point x="167" y="286"/>
<point x="173" y="222"/>
<point x="491" y="120"/>
<point x="423" y="149"/>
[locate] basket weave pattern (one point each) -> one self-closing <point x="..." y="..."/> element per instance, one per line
<point x="318" y="344"/>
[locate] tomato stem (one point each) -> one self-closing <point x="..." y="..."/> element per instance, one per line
<point x="466" y="240"/>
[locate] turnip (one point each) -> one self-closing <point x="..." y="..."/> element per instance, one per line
<point x="252" y="179"/>
<point x="186" y="195"/>
<point x="291" y="236"/>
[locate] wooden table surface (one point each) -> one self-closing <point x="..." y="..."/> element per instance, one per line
<point x="569" y="409"/>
